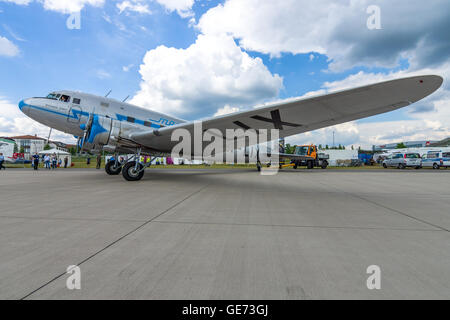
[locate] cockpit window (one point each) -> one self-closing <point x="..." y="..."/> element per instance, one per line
<point x="64" y="98"/>
<point x="52" y="96"/>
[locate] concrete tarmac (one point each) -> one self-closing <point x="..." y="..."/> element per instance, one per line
<point x="225" y="234"/>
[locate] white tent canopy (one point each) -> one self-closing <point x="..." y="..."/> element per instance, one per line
<point x="59" y="154"/>
<point x="55" y="151"/>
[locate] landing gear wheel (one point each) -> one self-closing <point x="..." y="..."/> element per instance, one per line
<point x="111" y="169"/>
<point x="130" y="173"/>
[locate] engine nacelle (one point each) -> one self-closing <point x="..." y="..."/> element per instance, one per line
<point x="102" y="131"/>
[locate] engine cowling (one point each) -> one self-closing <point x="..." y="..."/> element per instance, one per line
<point x="101" y="131"/>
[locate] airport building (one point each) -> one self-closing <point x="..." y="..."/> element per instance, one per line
<point x="29" y="144"/>
<point x="410" y="144"/>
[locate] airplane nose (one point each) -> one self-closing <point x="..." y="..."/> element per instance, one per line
<point x="23" y="105"/>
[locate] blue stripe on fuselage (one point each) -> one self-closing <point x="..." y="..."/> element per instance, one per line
<point x="77" y="113"/>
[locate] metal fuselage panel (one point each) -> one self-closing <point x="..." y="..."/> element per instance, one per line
<point x="68" y="116"/>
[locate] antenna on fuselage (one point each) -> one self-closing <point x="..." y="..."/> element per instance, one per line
<point x="108" y="93"/>
<point x="126" y="98"/>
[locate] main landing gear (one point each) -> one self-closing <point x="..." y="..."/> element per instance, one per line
<point x="132" y="170"/>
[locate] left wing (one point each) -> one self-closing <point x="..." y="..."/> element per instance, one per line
<point x="302" y="115"/>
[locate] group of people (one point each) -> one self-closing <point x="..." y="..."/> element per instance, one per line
<point x="51" y="162"/>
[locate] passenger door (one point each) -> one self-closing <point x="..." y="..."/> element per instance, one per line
<point x="396" y="160"/>
<point x="75" y="111"/>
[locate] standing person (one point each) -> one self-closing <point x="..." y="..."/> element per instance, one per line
<point x="99" y="161"/>
<point x="54" y="161"/>
<point x="60" y="163"/>
<point x="36" y="161"/>
<point x="66" y="162"/>
<point x="47" y="162"/>
<point x="2" y="160"/>
<point x="88" y="160"/>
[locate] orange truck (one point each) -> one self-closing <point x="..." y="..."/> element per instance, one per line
<point x="305" y="156"/>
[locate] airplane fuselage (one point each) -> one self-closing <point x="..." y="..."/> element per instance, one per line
<point x="67" y="111"/>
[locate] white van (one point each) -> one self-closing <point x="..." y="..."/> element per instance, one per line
<point x="436" y="159"/>
<point x="403" y="160"/>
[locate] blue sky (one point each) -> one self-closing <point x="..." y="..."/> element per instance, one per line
<point x="108" y="52"/>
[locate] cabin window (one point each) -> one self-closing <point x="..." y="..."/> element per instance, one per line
<point x="64" y="98"/>
<point x="147" y="123"/>
<point x="104" y="104"/>
<point x="76" y="101"/>
<point x="131" y="119"/>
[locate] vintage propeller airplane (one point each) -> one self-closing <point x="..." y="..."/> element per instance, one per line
<point x="107" y="124"/>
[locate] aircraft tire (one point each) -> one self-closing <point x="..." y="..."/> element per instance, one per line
<point x="129" y="172"/>
<point x="109" y="168"/>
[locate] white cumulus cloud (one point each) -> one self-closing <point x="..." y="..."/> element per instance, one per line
<point x="138" y="6"/>
<point x="19" y="2"/>
<point x="412" y="29"/>
<point x="211" y="73"/>
<point x="7" y="48"/>
<point x="182" y="7"/>
<point x="226" y="110"/>
<point x="63" y="6"/>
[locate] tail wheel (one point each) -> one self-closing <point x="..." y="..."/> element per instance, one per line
<point x="111" y="169"/>
<point x="130" y="173"/>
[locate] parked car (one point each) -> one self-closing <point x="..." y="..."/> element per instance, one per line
<point x="436" y="159"/>
<point x="403" y="160"/>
